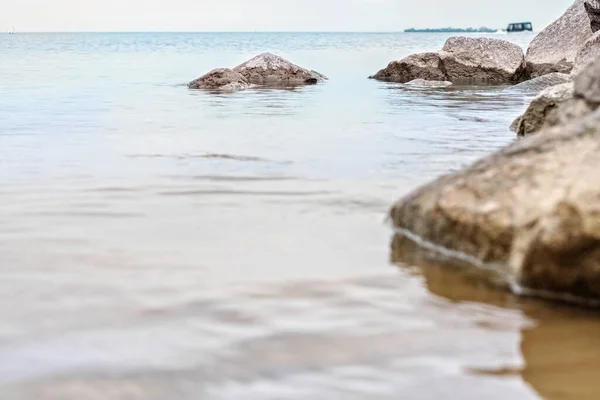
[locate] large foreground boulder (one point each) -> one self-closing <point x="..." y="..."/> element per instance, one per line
<point x="555" y="48"/>
<point x="531" y="211"/>
<point x="220" y="79"/>
<point x="592" y="7"/>
<point x="541" y="106"/>
<point x="270" y="69"/>
<point x="482" y="60"/>
<point x="425" y="66"/>
<point x="589" y="51"/>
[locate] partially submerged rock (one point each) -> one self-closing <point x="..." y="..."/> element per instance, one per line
<point x="592" y="7"/>
<point x="270" y="69"/>
<point x="424" y="66"/>
<point x="540" y="83"/>
<point x="220" y="79"/>
<point x="529" y="211"/>
<point x="562" y="103"/>
<point x="541" y="106"/>
<point x="482" y="60"/>
<point x="588" y="52"/>
<point x="555" y="48"/>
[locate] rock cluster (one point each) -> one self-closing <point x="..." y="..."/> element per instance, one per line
<point x="461" y="60"/>
<point x="529" y="211"/>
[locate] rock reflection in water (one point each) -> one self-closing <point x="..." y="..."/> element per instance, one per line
<point x="561" y="351"/>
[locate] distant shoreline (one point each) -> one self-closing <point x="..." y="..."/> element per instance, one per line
<point x="452" y="30"/>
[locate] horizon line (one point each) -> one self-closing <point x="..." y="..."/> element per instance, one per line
<point x="225" y="31"/>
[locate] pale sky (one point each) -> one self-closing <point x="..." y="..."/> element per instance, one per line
<point x="271" y="15"/>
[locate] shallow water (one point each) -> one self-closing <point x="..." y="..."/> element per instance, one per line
<point x="160" y="243"/>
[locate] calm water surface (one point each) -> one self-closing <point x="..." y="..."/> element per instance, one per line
<point x="161" y="243"/>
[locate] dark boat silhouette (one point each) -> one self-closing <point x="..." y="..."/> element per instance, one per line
<point x="520" y="27"/>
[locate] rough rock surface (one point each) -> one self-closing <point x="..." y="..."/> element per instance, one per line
<point x="585" y="99"/>
<point x="540" y="83"/>
<point x="541" y="106"/>
<point x="555" y="48"/>
<point x="592" y="7"/>
<point x="482" y="60"/>
<point x="426" y="66"/>
<point x="528" y="210"/>
<point x="587" y="53"/>
<point x="270" y="69"/>
<point x="531" y="210"/>
<point x="221" y="79"/>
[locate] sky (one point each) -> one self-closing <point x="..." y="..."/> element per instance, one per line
<point x="271" y="15"/>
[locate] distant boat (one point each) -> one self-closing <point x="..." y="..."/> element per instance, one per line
<point x="12" y="31"/>
<point x="520" y="27"/>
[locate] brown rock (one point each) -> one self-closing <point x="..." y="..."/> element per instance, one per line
<point x="528" y="211"/>
<point x="221" y="79"/>
<point x="270" y="69"/>
<point x="482" y="60"/>
<point x="531" y="211"/>
<point x="555" y="48"/>
<point x="426" y="66"/>
<point x="540" y="107"/>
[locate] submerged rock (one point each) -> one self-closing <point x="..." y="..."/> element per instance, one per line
<point x="428" y="84"/>
<point x="555" y="48"/>
<point x="541" y="106"/>
<point x="528" y="210"/>
<point x="424" y="66"/>
<point x="588" y="52"/>
<point x="270" y="69"/>
<point x="482" y="60"/>
<point x="540" y="83"/>
<point x="221" y="79"/>
<point x="592" y="7"/>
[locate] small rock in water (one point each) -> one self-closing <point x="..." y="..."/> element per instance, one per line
<point x="429" y="84"/>
<point x="221" y="79"/>
<point x="270" y="69"/>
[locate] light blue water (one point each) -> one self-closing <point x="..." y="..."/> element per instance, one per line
<point x="135" y="264"/>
